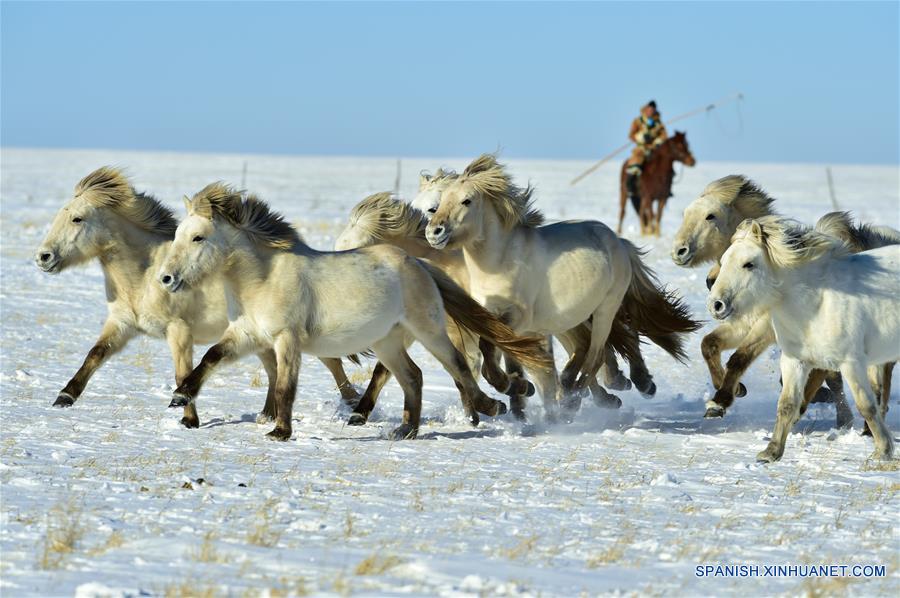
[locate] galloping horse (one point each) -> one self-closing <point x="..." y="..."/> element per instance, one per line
<point x="655" y="183"/>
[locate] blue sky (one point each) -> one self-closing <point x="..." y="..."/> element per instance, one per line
<point x="538" y="80"/>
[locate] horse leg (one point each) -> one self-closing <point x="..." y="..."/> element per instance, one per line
<point x="522" y="387"/>
<point x="757" y="340"/>
<point x="623" y="200"/>
<point x="233" y="344"/>
<point x="112" y="338"/>
<point x="270" y="409"/>
<point x="601" y="324"/>
<point x="336" y="367"/>
<point x="724" y="337"/>
<point x="181" y="344"/>
<point x="880" y="380"/>
<point x="813" y="384"/>
<point x="287" y="358"/>
<point x="794" y="374"/>
<point x="855" y="375"/>
<point x="843" y="415"/>
<point x="490" y="366"/>
<point x="363" y="409"/>
<point x="392" y="355"/>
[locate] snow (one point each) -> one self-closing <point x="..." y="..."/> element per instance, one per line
<point x="113" y="498"/>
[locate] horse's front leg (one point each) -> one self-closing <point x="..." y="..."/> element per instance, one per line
<point x="794" y="374"/>
<point x="757" y="340"/>
<point x="113" y="337"/>
<point x="181" y="344"/>
<point x="880" y="380"/>
<point x="490" y="366"/>
<point x="270" y="364"/>
<point x="287" y="356"/>
<point x="724" y="337"/>
<point x="336" y="367"/>
<point x="360" y="415"/>
<point x="233" y="345"/>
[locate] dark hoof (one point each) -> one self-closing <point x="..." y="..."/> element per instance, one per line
<point x="722" y="399"/>
<point x="529" y="391"/>
<point x="279" y="434"/>
<point x="767" y="456"/>
<point x="474" y="420"/>
<point x="713" y="411"/>
<point x="350" y="397"/>
<point x="64" y="400"/>
<point x="608" y="402"/>
<point x="619" y="383"/>
<point x="844" y="421"/>
<point x="823" y="395"/>
<point x="741" y="390"/>
<point x="519" y="414"/>
<point x="180" y="400"/>
<point x="404" y="432"/>
<point x="357" y="419"/>
<point x="501" y="408"/>
<point x="649" y="391"/>
<point x="865" y="431"/>
<point x="571" y="403"/>
<point x="188" y="422"/>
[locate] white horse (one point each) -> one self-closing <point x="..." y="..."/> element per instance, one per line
<point x="830" y="309"/>
<point x="548" y="280"/>
<point x="128" y="233"/>
<point x="705" y="233"/>
<point x="292" y="299"/>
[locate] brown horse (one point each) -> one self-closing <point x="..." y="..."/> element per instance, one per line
<point x="655" y="182"/>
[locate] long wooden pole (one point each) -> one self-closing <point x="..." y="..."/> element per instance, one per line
<point x="614" y="153"/>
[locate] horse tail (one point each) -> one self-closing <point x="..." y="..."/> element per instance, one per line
<point x="471" y="315"/>
<point x="653" y="311"/>
<point x="858" y="238"/>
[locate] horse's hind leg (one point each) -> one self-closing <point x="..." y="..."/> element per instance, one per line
<point x="360" y="415"/>
<point x="270" y="409"/>
<point x="490" y="366"/>
<point x="232" y="345"/>
<point x="757" y="340"/>
<point x="520" y="388"/>
<point x="843" y="415"/>
<point x="287" y="357"/>
<point x="336" y="367"/>
<point x="112" y="338"/>
<point x="880" y="380"/>
<point x="391" y="352"/>
<point x="855" y="375"/>
<point x="623" y="200"/>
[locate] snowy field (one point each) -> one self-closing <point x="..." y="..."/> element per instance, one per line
<point x="113" y="498"/>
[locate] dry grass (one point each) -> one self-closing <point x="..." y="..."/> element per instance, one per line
<point x="189" y="590"/>
<point x="64" y="532"/>
<point x="207" y="552"/>
<point x="377" y="564"/>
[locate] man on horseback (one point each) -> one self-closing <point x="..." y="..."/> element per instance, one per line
<point x="647" y="131"/>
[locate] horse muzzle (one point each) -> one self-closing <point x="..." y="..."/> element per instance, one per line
<point x="720" y="308"/>
<point x="47" y="261"/>
<point x="171" y="282"/>
<point x="682" y="255"/>
<point x="437" y="236"/>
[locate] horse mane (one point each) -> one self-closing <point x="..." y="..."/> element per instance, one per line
<point x="108" y="187"/>
<point x="859" y="238"/>
<point x="247" y="213"/>
<point x="385" y="217"/>
<point x="742" y="194"/>
<point x="788" y="243"/>
<point x="513" y="204"/>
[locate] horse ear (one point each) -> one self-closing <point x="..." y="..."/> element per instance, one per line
<point x="187" y="203"/>
<point x="424" y="178"/>
<point x="756" y="231"/>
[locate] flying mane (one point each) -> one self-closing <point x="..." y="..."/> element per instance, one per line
<point x="512" y="203"/>
<point x="788" y="243"/>
<point x="384" y="217"/>
<point x="742" y="194"/>
<point x="859" y="238"/>
<point x="108" y="187"/>
<point x="247" y="213"/>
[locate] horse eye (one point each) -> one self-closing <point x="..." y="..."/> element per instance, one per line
<point x="198" y="238"/>
<point x="77" y="219"/>
<point x="748" y="266"/>
<point x="711" y="217"/>
<point x="466" y="202"/>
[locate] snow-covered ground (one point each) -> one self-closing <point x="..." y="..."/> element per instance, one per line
<point x="113" y="497"/>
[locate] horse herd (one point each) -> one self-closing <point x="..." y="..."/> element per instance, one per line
<point x="470" y="270"/>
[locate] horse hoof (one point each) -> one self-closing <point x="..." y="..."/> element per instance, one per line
<point x="518" y="414"/>
<point x="357" y="419"/>
<point x="179" y="400"/>
<point x="865" y="431"/>
<point x="500" y="408"/>
<point x="64" y="400"/>
<point x="844" y="421"/>
<point x="649" y="391"/>
<point x="404" y="432"/>
<point x="713" y="411"/>
<point x="350" y="397"/>
<point x="619" y="383"/>
<point x="189" y="422"/>
<point x="769" y="455"/>
<point x="571" y="403"/>
<point x="608" y="402"/>
<point x="741" y="390"/>
<point x="474" y="420"/>
<point x="882" y="456"/>
<point x="279" y="434"/>
<point x="264" y="418"/>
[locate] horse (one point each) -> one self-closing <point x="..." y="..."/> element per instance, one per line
<point x="654" y="183"/>
<point x="382" y="218"/>
<point x="128" y="232"/>
<point x="830" y="309"/>
<point x="548" y="280"/>
<point x="705" y="233"/>
<point x="290" y="298"/>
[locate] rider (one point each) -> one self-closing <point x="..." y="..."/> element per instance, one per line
<point x="647" y="131"/>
